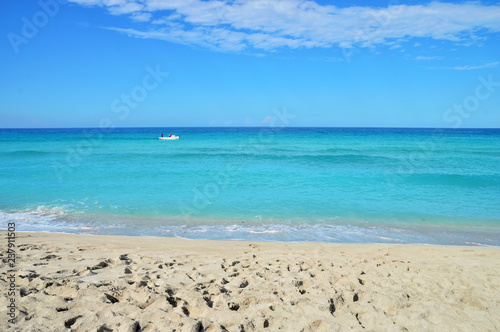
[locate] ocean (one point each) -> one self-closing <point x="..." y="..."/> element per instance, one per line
<point x="356" y="185"/>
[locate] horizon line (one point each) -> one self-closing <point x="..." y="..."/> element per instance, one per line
<point x="251" y="127"/>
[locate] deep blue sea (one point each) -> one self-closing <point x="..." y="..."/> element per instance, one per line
<point x="432" y="186"/>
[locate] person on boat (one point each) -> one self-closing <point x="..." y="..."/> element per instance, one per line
<point x="161" y="134"/>
<point x="169" y="135"/>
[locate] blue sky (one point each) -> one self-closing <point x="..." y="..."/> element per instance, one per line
<point x="231" y="63"/>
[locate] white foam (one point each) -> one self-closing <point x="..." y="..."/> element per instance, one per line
<point x="50" y="211"/>
<point x="45" y="218"/>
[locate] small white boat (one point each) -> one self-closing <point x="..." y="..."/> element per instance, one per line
<point x="169" y="138"/>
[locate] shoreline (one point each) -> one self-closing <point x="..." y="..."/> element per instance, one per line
<point x="257" y="241"/>
<point x="283" y="232"/>
<point x="129" y="283"/>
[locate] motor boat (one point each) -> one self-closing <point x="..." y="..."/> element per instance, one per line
<point x="169" y="138"/>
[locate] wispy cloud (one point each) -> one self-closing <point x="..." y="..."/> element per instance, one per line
<point x="470" y="67"/>
<point x="141" y="17"/>
<point x="267" y="25"/>
<point x="428" y="58"/>
<point x="267" y="119"/>
<point x="487" y="65"/>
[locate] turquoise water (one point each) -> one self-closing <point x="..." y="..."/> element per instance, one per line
<point x="273" y="184"/>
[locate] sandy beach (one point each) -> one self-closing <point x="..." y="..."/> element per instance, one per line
<point x="102" y="283"/>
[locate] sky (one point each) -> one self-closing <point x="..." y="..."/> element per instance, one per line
<point x="174" y="63"/>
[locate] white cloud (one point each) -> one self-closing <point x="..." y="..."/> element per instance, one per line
<point x="235" y="25"/>
<point x="468" y="67"/>
<point x="126" y="8"/>
<point x="141" y="17"/>
<point x="428" y="58"/>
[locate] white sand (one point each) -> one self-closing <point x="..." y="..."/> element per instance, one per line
<point x="101" y="283"/>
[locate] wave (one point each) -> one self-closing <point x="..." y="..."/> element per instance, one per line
<point x="59" y="219"/>
<point x="29" y="153"/>
<point x="40" y="219"/>
<point x="348" y="158"/>
<point x="453" y="180"/>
